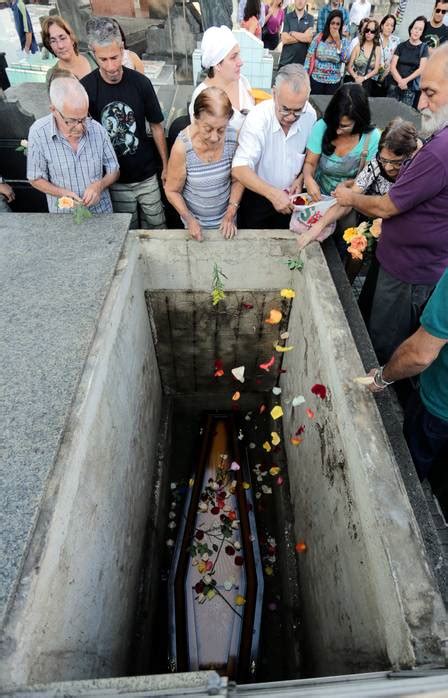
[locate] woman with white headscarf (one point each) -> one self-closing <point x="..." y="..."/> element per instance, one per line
<point x="221" y="59"/>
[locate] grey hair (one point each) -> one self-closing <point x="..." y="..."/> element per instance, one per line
<point x="295" y="76"/>
<point x="66" y="90"/>
<point x="102" y="31"/>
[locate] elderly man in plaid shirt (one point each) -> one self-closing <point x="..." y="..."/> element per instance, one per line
<point x="70" y="154"/>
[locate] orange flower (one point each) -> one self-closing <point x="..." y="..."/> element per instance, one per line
<point x="356" y="254"/>
<point x="65" y="202"/>
<point x="358" y="242"/>
<point x="274" y="317"/>
<point x="375" y="229"/>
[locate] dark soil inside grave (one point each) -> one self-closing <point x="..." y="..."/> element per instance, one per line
<point x="277" y="659"/>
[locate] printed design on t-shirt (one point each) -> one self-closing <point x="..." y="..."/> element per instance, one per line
<point x="432" y="40"/>
<point x="119" y="121"/>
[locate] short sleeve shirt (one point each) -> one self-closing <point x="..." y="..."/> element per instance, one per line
<point x="409" y="57"/>
<point x="434" y="379"/>
<point x="122" y="109"/>
<point x="371" y="181"/>
<point x="295" y="53"/>
<point x="413" y="246"/>
<point x="333" y="169"/>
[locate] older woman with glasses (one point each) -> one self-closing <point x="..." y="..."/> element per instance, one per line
<point x="365" y="59"/>
<point x="59" y="39"/>
<point x="398" y="142"/>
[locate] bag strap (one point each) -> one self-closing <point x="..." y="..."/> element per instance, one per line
<point x="362" y="161"/>
<point x="366" y="69"/>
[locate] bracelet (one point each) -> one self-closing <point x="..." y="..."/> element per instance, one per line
<point x="378" y="379"/>
<point x="232" y="203"/>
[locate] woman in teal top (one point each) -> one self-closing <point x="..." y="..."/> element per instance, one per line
<point x="338" y="148"/>
<point x="341" y="143"/>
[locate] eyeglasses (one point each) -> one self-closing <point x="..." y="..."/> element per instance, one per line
<point x="72" y="123"/>
<point x="393" y="163"/>
<point x="286" y="111"/>
<point x="442" y="12"/>
<point x="346" y="127"/>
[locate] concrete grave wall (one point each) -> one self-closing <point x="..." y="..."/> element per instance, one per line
<point x="370" y="600"/>
<point x="73" y="611"/>
<point x="369" y="597"/>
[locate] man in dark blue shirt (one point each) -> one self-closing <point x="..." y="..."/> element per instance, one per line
<point x="297" y="34"/>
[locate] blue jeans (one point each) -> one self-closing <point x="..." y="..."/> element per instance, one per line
<point x="426" y="436"/>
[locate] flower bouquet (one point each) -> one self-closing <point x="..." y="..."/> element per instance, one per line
<point x="307" y="212"/>
<point x="80" y="212"/>
<point x="360" y="239"/>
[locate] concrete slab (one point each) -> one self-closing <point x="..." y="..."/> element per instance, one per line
<point x="54" y="277"/>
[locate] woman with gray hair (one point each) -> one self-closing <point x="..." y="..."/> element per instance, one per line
<point x="222" y="61"/>
<point x="199" y="182"/>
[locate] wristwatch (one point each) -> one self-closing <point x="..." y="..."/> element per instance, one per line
<point x="379" y="380"/>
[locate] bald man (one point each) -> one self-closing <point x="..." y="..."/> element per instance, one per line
<point x="69" y="154"/>
<point x="413" y="248"/>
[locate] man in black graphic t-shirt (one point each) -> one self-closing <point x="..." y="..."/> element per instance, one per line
<point x="436" y="33"/>
<point x="122" y="100"/>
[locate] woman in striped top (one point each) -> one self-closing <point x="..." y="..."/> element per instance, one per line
<point x="199" y="182"/>
<point x="326" y="56"/>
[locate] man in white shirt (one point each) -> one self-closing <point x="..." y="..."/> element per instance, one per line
<point x="358" y="11"/>
<point x="271" y="151"/>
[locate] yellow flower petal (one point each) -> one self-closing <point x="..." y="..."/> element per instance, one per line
<point x="239" y="600"/>
<point x="278" y="347"/>
<point x="276" y="412"/>
<point x="274" y="317"/>
<point x="287" y="293"/>
<point x="267" y="446"/>
<point x="275" y="439"/>
<point x="269" y="571"/>
<point x="349" y="233"/>
<point x="246" y="485"/>
<point x="274" y="470"/>
<point x="211" y="593"/>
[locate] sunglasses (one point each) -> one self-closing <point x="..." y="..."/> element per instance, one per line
<point x="369" y="31"/>
<point x="442" y="12"/>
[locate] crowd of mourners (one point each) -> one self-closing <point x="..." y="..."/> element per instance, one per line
<point x="241" y="164"/>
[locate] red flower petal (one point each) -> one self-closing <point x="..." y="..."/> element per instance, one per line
<point x="232" y="515"/>
<point x="229" y="550"/>
<point x="247" y="306"/>
<point x="266" y="367"/>
<point x="199" y="587"/>
<point x="219" y="368"/>
<point x="301" y="547"/>
<point x="300" y="430"/>
<point x="214" y="511"/>
<point x="199" y="535"/>
<point x="238" y="560"/>
<point x="309" y="413"/>
<point x="319" y="390"/>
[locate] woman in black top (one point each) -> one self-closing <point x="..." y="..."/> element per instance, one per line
<point x="406" y="65"/>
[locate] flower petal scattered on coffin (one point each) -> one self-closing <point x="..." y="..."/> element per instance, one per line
<point x="279" y="348"/>
<point x="287" y="293"/>
<point x="275" y="317"/>
<point x="267" y="446"/>
<point x="319" y="390"/>
<point x="276" y="412"/>
<point x="234" y="465"/>
<point x="262" y="409"/>
<point x="275" y="439"/>
<point x="274" y="470"/>
<point x="295" y="440"/>
<point x="246" y="485"/>
<point x="238" y="373"/>
<point x="266" y="366"/>
<point x="284" y="335"/>
<point x="266" y="489"/>
<point x="301" y="546"/>
<point x="219" y="368"/>
<point x="247" y="306"/>
<point x="211" y="594"/>
<point x="276" y="390"/>
<point x="236" y="395"/>
<point x="269" y="570"/>
<point x="280" y="480"/>
<point x="300" y="430"/>
<point x="238" y="560"/>
<point x="309" y="413"/>
<point x="228" y="584"/>
<point x="298" y="400"/>
<point x="240" y="600"/>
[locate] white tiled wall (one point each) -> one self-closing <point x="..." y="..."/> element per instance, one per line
<point x="258" y="62"/>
